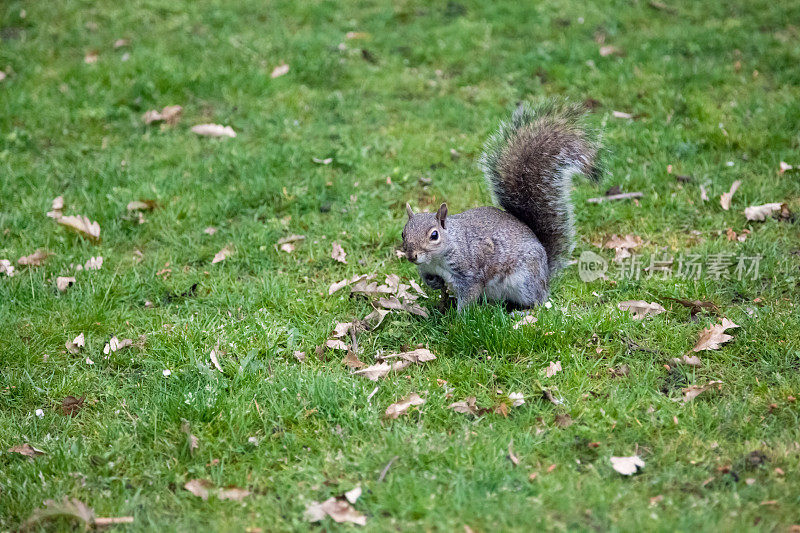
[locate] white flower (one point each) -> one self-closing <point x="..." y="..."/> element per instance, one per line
<point x="548" y="304"/>
<point x="40" y="413"/>
<point x="167" y="372"/>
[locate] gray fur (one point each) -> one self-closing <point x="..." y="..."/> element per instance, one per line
<point x="509" y="255"/>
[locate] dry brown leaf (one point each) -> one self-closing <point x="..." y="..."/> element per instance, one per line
<point x="82" y="225"/>
<point x="76" y="344"/>
<point x="420" y="355"/>
<point x="351" y="360"/>
<point x="280" y="70"/>
<point x="693" y="391"/>
<point x="704" y="194"/>
<point x="640" y="309"/>
<point x="400" y="408"/>
<point x="35" y="259"/>
<point x="26" y="449"/>
<point x="563" y="420"/>
<point x="725" y="199"/>
<point x="91" y="57"/>
<point x="686" y="360"/>
<point x="300" y="356"/>
<point x="71" y="405"/>
<point x="194" y="443"/>
<point x="627" y="466"/>
<point x="525" y="321"/>
<point x="326" y="161"/>
<point x="608" y="50"/>
<point x="338" y="509"/>
<point x="367" y="288"/>
<point x="416" y="287"/>
<point x="64" y="282"/>
<point x="171" y="114"/>
<point x="379" y="370"/>
<point x="553" y="369"/>
<point x="353" y="495"/>
<point x="345" y="282"/>
<point x="393" y="303"/>
<point x="712" y="338"/>
<point x="466" y="406"/>
<point x="72" y="508"/>
<point x="213" y="130"/>
<point x="141" y="205"/>
<point x="621" y="114"/>
<point x="336" y="344"/>
<point x="374" y="319"/>
<point x="56" y="207"/>
<point x="761" y="212"/>
<point x="214" y="357"/>
<point x="341" y="329"/>
<point x="199" y="487"/>
<point x="222" y="255"/>
<point x="287" y="243"/>
<point x="211" y="230"/>
<point x="233" y="493"/>
<point x="338" y="253"/>
<point x="622" y="245"/>
<point x="115" y="344"/>
<point x="784" y="166"/>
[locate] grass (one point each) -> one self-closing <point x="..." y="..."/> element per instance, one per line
<point x="708" y="83"/>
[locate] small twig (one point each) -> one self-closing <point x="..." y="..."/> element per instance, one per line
<point x="386" y="468"/>
<point x="623" y="196"/>
<point x="354" y="338"/>
<point x="103" y="522"/>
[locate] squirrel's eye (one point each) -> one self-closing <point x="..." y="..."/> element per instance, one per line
<point x="434" y="235"/>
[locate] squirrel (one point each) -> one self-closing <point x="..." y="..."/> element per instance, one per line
<point x="510" y="255"/>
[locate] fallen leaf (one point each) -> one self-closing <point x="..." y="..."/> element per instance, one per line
<point x="335" y="344"/>
<point x="563" y="420"/>
<point x="393" y="303"/>
<point x="222" y="255"/>
<point x="356" y="35"/>
<point x="213" y="130"/>
<point x="351" y="360"/>
<point x="525" y="321"/>
<point x="91" y="57"/>
<point x="552" y="369"/>
<point x="71" y="405"/>
<point x="353" y="495"/>
<point x="76" y="344"/>
<point x="210" y="230"/>
<point x="338" y="253"/>
<point x="686" y="360"/>
<point x="115" y="345"/>
<point x="72" y="508"/>
<point x="214" y="359"/>
<point x="622" y="245"/>
<point x="341" y="329"/>
<point x="64" y="282"/>
<point x="199" y="487"/>
<point x="627" y="465"/>
<point x="374" y="319"/>
<point x="511" y="456"/>
<point x="466" y="406"/>
<point x="516" y="398"/>
<point x="621" y="114"/>
<point x="696" y="306"/>
<point x="620" y="372"/>
<point x="784" y="166"/>
<point x="56" y="207"/>
<point x="7" y="268"/>
<point x="712" y="338"/>
<point x="326" y="161"/>
<point x="141" y="205"/>
<point x="340" y="510"/>
<point x="287" y="243"/>
<point x="170" y="115"/>
<point x="300" y="356"/>
<point x="82" y="225"/>
<point x="400" y="408"/>
<point x="608" y="50"/>
<point x="420" y="355"/>
<point x="26" y="449"/>
<point x="725" y="199"/>
<point x="280" y="70"/>
<point x="194" y="443"/>
<point x="35" y="259"/>
<point x="693" y="391"/>
<point x="704" y="194"/>
<point x="119" y="43"/>
<point x="761" y="212"/>
<point x="233" y="493"/>
<point x="379" y="370"/>
<point x="345" y="282"/>
<point x="640" y="309"/>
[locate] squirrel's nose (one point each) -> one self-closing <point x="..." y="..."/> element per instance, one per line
<point x="412" y="256"/>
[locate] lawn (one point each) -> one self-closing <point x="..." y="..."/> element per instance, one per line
<point x="387" y="103"/>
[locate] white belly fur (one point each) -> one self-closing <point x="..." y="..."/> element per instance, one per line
<point x="507" y="287"/>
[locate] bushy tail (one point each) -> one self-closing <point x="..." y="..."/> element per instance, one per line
<point x="529" y="164"/>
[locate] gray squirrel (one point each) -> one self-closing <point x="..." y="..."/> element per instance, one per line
<point x="510" y="254"/>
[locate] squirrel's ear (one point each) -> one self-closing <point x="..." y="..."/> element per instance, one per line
<point x="441" y="214"/>
<point x="409" y="212"/>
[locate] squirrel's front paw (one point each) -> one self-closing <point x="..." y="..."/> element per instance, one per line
<point x="434" y="282"/>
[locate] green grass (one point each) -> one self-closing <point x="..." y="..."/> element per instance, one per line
<point x="440" y="77"/>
